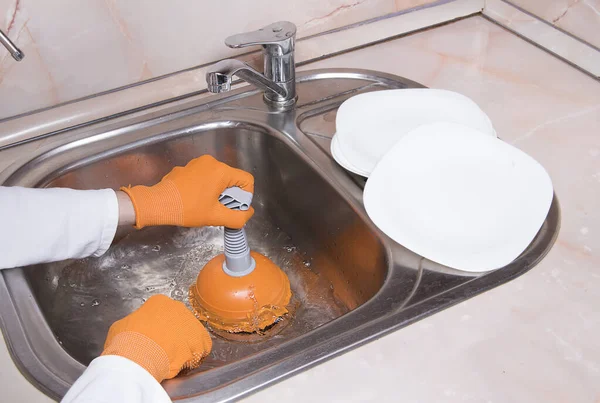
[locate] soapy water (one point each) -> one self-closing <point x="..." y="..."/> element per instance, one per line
<point x="93" y="293"/>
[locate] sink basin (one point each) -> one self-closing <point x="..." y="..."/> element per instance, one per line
<point x="303" y="235"/>
<point x="351" y="283"/>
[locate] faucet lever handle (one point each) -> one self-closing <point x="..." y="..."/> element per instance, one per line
<point x="275" y="38"/>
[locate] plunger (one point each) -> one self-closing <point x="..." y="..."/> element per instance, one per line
<point x="240" y="290"/>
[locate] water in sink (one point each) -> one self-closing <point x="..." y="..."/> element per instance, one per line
<point x="93" y="292"/>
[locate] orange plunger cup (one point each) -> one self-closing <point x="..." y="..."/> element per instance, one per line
<point x="240" y="290"/>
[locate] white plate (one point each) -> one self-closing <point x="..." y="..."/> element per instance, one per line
<point x="338" y="156"/>
<point x="459" y="198"/>
<point x="368" y="125"/>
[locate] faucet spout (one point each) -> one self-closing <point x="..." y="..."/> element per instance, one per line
<point x="220" y="75"/>
<point x="279" y="79"/>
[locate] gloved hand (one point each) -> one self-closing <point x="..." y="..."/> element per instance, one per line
<point x="162" y="336"/>
<point x="189" y="196"/>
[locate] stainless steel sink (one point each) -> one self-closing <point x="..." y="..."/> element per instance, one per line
<point x="351" y="283"/>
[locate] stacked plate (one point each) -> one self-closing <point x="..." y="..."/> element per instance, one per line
<point x="440" y="183"/>
<point x="368" y="125"/>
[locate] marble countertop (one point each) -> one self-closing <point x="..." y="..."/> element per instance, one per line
<point x="533" y="339"/>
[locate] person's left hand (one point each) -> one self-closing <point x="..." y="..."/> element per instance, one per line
<point x="162" y="336"/>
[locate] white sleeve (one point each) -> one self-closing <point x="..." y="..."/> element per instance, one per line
<point x="47" y="225"/>
<point x="114" y="379"/>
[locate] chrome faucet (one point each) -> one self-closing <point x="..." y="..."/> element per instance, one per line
<point x="279" y="79"/>
<point x="15" y="52"/>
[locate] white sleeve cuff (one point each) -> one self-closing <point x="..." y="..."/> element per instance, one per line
<point x="110" y="379"/>
<point x="111" y="221"/>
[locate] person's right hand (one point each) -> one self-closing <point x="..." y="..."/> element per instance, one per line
<point x="189" y="196"/>
<point x="162" y="336"/>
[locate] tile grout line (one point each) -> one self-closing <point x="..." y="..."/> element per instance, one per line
<point x="547" y="23"/>
<point x="587" y="57"/>
<point x="541" y="47"/>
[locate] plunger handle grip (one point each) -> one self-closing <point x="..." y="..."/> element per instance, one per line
<point x="236" y="198"/>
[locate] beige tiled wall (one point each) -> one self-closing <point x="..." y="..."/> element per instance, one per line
<point x="75" y="48"/>
<point x="578" y="17"/>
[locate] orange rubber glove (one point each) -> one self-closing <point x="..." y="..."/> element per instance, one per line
<point x="162" y="336"/>
<point x="189" y="196"/>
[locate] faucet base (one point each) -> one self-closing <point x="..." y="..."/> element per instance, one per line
<point x="280" y="105"/>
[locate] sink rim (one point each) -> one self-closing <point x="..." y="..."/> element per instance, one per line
<point x="55" y="379"/>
